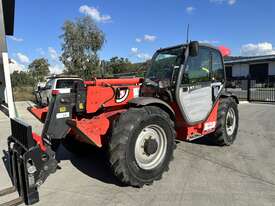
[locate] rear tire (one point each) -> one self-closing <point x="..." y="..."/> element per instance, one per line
<point x="227" y="122"/>
<point x="141" y="146"/>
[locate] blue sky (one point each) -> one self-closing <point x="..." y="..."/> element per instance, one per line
<point x="135" y="29"/>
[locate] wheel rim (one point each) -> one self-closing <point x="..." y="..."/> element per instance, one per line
<point x="150" y="147"/>
<point x="230" y="122"/>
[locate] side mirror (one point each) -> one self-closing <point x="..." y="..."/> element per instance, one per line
<point x="194" y="48"/>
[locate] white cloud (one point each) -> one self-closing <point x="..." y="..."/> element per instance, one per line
<point x="190" y="9"/>
<point x="15" y="66"/>
<point x="143" y="56"/>
<point x="23" y="58"/>
<point x="140" y="55"/>
<point x="16" y="39"/>
<point x="56" y="68"/>
<point x="134" y="50"/>
<point x="53" y="53"/>
<point x="95" y="14"/>
<point x="138" y="40"/>
<point x="264" y="48"/>
<point x="149" y="38"/>
<point x="40" y="51"/>
<point x="229" y="2"/>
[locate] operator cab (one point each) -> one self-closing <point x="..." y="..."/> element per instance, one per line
<point x="192" y="75"/>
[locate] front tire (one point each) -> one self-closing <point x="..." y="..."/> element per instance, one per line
<point x="141" y="146"/>
<point x="227" y="122"/>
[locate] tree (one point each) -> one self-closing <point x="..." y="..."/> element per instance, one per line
<point x="38" y="69"/>
<point x="19" y="79"/>
<point x="118" y="65"/>
<point x="81" y="42"/>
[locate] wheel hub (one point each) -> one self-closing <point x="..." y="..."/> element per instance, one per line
<point x="150" y="147"/>
<point x="230" y="121"/>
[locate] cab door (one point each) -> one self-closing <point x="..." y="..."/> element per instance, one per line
<point x="195" y="95"/>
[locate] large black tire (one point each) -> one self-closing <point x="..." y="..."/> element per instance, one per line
<point x="221" y="136"/>
<point x="122" y="145"/>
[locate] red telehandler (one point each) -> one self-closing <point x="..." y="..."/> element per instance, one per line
<point x="137" y="120"/>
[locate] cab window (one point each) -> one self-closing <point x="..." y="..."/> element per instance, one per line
<point x="198" y="68"/>
<point x="164" y="63"/>
<point x="217" y="67"/>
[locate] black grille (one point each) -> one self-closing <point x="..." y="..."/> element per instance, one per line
<point x="22" y="133"/>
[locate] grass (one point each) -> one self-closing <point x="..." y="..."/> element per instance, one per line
<point x="23" y="93"/>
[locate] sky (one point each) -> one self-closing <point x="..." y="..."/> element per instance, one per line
<point x="136" y="28"/>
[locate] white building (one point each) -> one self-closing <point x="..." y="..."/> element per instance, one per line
<point x="259" y="68"/>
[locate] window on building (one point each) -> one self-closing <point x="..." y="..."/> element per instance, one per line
<point x="258" y="71"/>
<point x="228" y="71"/>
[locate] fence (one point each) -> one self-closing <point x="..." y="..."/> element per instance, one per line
<point x="253" y="90"/>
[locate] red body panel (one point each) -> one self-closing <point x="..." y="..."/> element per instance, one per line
<point x="39" y="113"/>
<point x="95" y="129"/>
<point x="39" y="141"/>
<point x="102" y="82"/>
<point x="99" y="96"/>
<point x="111" y="94"/>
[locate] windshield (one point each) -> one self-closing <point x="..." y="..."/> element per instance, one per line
<point x="164" y="63"/>
<point x="66" y="83"/>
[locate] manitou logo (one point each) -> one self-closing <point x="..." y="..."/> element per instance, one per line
<point x="122" y="95"/>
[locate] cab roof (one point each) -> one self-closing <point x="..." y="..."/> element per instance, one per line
<point x="185" y="45"/>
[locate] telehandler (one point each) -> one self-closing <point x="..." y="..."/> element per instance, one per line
<point x="137" y="120"/>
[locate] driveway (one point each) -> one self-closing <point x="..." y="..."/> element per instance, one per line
<point x="201" y="174"/>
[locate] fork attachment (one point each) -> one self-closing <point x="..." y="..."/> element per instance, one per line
<point x="30" y="163"/>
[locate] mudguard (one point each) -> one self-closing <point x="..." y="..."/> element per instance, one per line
<point x="226" y="94"/>
<point x="145" y="101"/>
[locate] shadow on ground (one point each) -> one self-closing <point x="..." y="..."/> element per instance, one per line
<point x="92" y="163"/>
<point x="205" y="140"/>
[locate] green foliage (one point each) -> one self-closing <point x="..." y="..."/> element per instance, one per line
<point x="38" y="69"/>
<point x="119" y="66"/>
<point x="116" y="65"/>
<point x="81" y="42"/>
<point x="19" y="79"/>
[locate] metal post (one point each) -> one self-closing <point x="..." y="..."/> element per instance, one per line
<point x="248" y="88"/>
<point x="5" y="65"/>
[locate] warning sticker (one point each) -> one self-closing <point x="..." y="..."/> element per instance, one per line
<point x="209" y="126"/>
<point x="62" y="115"/>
